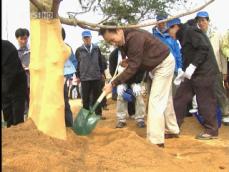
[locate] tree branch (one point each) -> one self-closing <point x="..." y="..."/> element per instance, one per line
<point x="93" y="26"/>
<point x="104" y="20"/>
<point x="38" y="5"/>
<point x="96" y="26"/>
<point x="82" y="12"/>
<point x="74" y="22"/>
<point x="55" y="8"/>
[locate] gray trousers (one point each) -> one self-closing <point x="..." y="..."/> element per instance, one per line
<point x="122" y="109"/>
<point x="221" y="95"/>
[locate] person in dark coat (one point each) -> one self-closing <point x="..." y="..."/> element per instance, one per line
<point x="90" y="71"/>
<point x="200" y="69"/>
<point x="22" y="36"/>
<point x="113" y="62"/>
<point x="137" y="79"/>
<point x="14" y="85"/>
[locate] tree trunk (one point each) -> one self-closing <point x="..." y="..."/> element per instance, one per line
<point x="48" y="55"/>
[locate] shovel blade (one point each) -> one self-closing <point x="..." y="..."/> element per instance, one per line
<point x="85" y="122"/>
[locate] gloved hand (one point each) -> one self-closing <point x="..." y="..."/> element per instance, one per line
<point x="136" y="89"/>
<point x="180" y="71"/>
<point x="179" y="78"/>
<point x="121" y="89"/>
<point x="189" y="71"/>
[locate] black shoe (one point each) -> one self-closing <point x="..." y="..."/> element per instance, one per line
<point x="170" y="136"/>
<point x="141" y="124"/>
<point x="120" y="124"/>
<point x="161" y="145"/>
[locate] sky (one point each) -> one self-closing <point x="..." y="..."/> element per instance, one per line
<point x="14" y="17"/>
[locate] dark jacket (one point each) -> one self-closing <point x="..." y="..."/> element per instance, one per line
<point x="89" y="63"/>
<point x="24" y="56"/>
<point x="143" y="50"/>
<point x="197" y="50"/>
<point x="113" y="61"/>
<point x="13" y="75"/>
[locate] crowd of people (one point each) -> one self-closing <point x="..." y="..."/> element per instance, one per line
<point x="184" y="65"/>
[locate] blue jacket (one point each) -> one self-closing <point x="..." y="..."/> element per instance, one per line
<point x="70" y="65"/>
<point x="172" y="44"/>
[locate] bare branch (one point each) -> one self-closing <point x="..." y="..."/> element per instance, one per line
<point x="95" y="26"/>
<point x="74" y="22"/>
<point x="104" y="20"/>
<point x="38" y="5"/>
<point x="82" y="12"/>
<point x="55" y="7"/>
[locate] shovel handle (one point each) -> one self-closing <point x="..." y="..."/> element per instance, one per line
<point x="99" y="100"/>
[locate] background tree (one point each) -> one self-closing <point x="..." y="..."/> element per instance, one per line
<point x="105" y="48"/>
<point x="129" y="11"/>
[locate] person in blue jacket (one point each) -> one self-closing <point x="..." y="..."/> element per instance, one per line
<point x="159" y="31"/>
<point x="70" y="67"/>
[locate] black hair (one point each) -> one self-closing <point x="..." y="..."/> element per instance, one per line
<point x="207" y="18"/>
<point x="102" y="31"/>
<point x="63" y="33"/>
<point x="191" y="22"/>
<point x="21" y="32"/>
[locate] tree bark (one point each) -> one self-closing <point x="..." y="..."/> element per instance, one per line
<point x="48" y="55"/>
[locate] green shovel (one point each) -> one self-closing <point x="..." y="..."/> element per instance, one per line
<point x="86" y="120"/>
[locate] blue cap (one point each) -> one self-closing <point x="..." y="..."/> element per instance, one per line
<point x="86" y="33"/>
<point x="202" y="14"/>
<point x="161" y="17"/>
<point x="173" y="22"/>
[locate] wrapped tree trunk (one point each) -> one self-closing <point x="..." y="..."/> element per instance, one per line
<point x="48" y="55"/>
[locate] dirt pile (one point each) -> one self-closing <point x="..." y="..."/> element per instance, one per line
<point x="109" y="149"/>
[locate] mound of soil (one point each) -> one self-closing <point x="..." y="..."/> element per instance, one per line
<point x="108" y="149"/>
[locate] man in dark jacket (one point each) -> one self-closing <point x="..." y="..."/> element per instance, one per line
<point x="22" y="36"/>
<point x="90" y="71"/>
<point x="203" y="23"/>
<point x="199" y="77"/>
<point x="14" y="85"/>
<point x="138" y="102"/>
<point x="146" y="52"/>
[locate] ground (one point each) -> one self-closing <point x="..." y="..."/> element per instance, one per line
<point x="108" y="149"/>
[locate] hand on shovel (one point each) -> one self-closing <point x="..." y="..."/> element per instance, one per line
<point x="86" y="119"/>
<point x="107" y="88"/>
